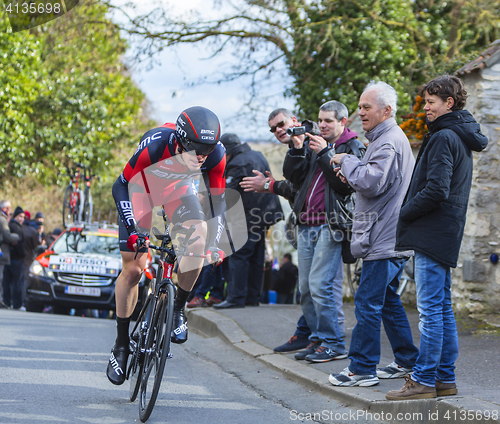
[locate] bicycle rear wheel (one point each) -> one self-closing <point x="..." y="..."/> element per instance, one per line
<point x="66" y="212"/>
<point x="138" y="341"/>
<point x="87" y="206"/>
<point x="157" y="350"/>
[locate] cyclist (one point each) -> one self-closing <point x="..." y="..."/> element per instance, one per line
<point x="161" y="172"/>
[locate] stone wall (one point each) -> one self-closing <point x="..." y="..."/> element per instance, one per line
<point x="476" y="281"/>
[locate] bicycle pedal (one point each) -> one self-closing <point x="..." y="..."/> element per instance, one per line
<point x="169" y="355"/>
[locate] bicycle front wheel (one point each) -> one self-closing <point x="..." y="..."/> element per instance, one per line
<point x="138" y="341"/>
<point x="66" y="212"/>
<point x="157" y="350"/>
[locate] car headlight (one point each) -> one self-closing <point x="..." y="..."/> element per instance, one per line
<point x="36" y="268"/>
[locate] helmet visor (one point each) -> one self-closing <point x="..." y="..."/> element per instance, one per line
<point x="194" y="146"/>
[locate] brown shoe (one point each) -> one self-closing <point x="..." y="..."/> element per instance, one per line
<point x="412" y="390"/>
<point x="197" y="302"/>
<point x="446" y="389"/>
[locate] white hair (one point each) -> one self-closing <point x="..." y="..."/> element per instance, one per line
<point x="386" y="95"/>
<point x="4" y="204"/>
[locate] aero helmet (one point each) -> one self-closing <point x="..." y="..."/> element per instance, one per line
<point x="197" y="129"/>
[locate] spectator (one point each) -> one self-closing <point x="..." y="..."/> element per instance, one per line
<point x="435" y="209"/>
<point x="31" y="241"/>
<point x="13" y="273"/>
<point x="261" y="211"/>
<point x="39" y="221"/>
<point x="52" y="236"/>
<point x="319" y="247"/>
<point x="268" y="281"/>
<point x="279" y="121"/>
<point x="380" y="179"/>
<point x="7" y="239"/>
<point x="286" y="280"/>
<point x="209" y="280"/>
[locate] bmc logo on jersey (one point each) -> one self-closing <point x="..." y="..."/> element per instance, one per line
<point x="148" y="140"/>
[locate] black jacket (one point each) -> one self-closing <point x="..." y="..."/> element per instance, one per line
<point x="261" y="209"/>
<point x="17" y="251"/>
<point x="31" y="241"/>
<point x="286" y="278"/>
<point x="432" y="218"/>
<point x="300" y="167"/>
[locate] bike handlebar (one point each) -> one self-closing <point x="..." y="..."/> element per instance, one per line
<point x="183" y="243"/>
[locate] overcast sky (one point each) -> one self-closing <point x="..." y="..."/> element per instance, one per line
<point x="184" y="64"/>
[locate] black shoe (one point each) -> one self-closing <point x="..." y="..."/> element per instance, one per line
<point x="313" y="346"/>
<point x="227" y="305"/>
<point x="252" y="303"/>
<point x="117" y="365"/>
<point x="293" y="345"/>
<point x="180" y="332"/>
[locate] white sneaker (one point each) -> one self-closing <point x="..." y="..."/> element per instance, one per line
<point x="347" y="378"/>
<point x="393" y="370"/>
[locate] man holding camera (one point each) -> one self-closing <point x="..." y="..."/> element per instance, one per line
<point x="319" y="245"/>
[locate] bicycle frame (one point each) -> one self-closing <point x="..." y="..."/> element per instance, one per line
<point x="165" y="267"/>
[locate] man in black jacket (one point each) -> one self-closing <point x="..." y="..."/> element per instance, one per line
<point x="431" y="222"/>
<point x="261" y="211"/>
<point x="7" y="239"/>
<point x="31" y="241"/>
<point x="13" y="272"/>
<point x="280" y="120"/>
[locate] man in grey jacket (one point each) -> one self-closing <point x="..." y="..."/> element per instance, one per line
<point x="7" y="238"/>
<point x="381" y="180"/>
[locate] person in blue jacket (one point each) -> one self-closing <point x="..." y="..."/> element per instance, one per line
<point x="431" y="222"/>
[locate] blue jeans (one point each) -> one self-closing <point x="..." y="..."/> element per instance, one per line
<point x="439" y="338"/>
<point x="338" y="294"/>
<point x="13" y="283"/>
<point x="210" y="281"/>
<point x="319" y="258"/>
<point x="303" y="331"/>
<point x="377" y="300"/>
<point x="247" y="271"/>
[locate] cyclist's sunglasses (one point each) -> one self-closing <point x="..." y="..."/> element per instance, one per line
<point x="278" y="125"/>
<point x="193" y="146"/>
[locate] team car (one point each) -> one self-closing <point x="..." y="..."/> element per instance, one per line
<point x="79" y="271"/>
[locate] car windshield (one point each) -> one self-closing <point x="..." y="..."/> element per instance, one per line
<point x="87" y="243"/>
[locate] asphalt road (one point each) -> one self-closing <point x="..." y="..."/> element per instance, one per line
<point x="52" y="370"/>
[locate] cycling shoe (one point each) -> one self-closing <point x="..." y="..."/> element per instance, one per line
<point x="117" y="365"/>
<point x="180" y="332"/>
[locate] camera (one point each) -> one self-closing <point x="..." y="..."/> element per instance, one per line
<point x="295" y="131"/>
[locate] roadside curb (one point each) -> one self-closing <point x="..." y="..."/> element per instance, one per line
<point x="454" y="409"/>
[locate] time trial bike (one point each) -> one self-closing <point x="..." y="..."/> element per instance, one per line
<point x="150" y="336"/>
